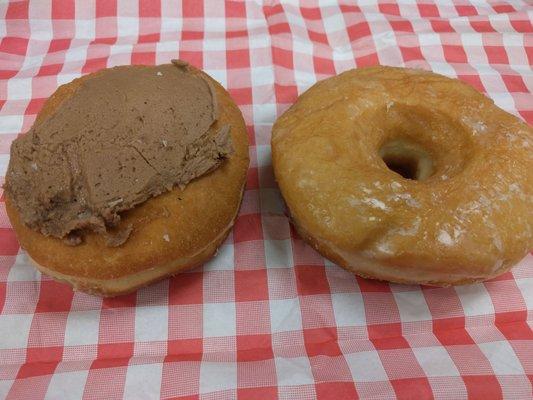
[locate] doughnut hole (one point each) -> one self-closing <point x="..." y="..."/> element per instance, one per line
<point x="408" y="159"/>
<point x="419" y="143"/>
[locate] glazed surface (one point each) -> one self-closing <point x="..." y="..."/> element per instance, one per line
<point x="465" y="214"/>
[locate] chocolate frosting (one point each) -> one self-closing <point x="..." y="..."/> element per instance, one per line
<point x="125" y="135"/>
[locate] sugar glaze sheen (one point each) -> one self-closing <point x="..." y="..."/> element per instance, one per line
<point x="407" y="176"/>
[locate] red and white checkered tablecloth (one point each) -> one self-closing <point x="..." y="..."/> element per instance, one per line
<point x="267" y="318"/>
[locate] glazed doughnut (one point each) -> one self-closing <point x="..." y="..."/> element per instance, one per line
<point x="407" y="176"/>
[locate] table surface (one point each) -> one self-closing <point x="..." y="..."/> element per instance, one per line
<point x="267" y="318"/>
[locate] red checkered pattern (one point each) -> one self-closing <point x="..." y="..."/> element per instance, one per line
<point x="267" y="318"/>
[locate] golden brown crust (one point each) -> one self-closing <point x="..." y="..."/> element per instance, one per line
<point x="129" y="283"/>
<point x="172" y="232"/>
<point x="470" y="220"/>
